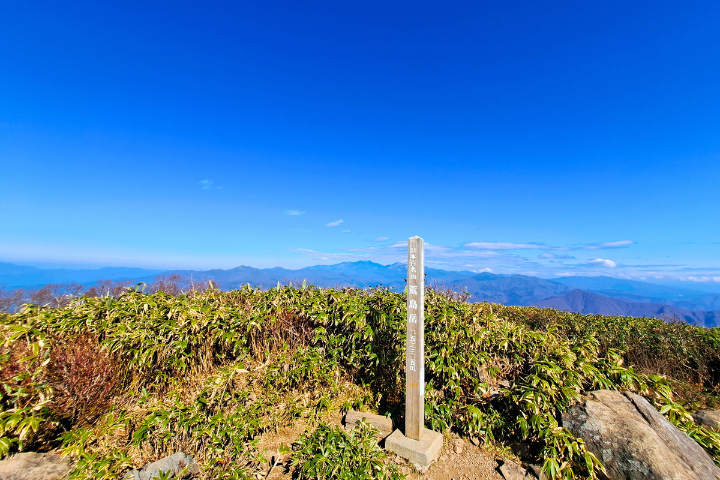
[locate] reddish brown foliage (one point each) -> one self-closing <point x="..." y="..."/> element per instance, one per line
<point x="84" y="379"/>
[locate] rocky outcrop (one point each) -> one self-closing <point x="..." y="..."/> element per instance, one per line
<point x="35" y="466"/>
<point x="634" y="441"/>
<point x="180" y="464"/>
<point x="708" y="419"/>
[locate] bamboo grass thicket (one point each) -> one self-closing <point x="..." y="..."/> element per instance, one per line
<point x="210" y="372"/>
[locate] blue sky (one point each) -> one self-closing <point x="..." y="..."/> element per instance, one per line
<point x="546" y="138"/>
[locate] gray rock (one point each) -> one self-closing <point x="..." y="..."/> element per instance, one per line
<point x="512" y="471"/>
<point x="634" y="441"/>
<point x="175" y="463"/>
<point x="708" y="418"/>
<point x="537" y="470"/>
<point x="35" y="466"/>
<point x="380" y="422"/>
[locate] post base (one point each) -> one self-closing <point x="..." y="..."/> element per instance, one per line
<point x="422" y="452"/>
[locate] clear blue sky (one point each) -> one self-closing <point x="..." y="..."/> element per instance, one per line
<point x="545" y="138"/>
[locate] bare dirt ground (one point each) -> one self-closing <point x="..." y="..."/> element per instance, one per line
<point x="459" y="460"/>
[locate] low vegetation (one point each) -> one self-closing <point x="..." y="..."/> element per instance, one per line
<point x="122" y="381"/>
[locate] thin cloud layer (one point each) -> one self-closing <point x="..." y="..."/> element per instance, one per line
<point x="294" y="213"/>
<point x="609" y="245"/>
<point x="208" y="185"/>
<point x="334" y="224"/>
<point x="556" y="256"/>
<point x="701" y="279"/>
<point x="542" y="246"/>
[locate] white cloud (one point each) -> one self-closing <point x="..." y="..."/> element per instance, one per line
<point x="334" y="224"/>
<point x="208" y="185"/>
<point x="346" y="231"/>
<point x="507" y="246"/>
<point x="608" y="245"/>
<point x="381" y="239"/>
<point x="603" y="262"/>
<point x="556" y="256"/>
<point x="294" y="213"/>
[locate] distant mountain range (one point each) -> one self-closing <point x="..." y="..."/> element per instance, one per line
<point x="582" y="301"/>
<point x="600" y="295"/>
<point x="16" y="276"/>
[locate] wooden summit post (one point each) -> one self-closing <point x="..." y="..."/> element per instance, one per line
<point x="419" y="445"/>
<point x="415" y="356"/>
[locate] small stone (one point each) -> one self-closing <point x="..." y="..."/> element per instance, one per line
<point x="475" y="441"/>
<point x="458" y="445"/>
<point x="443" y="458"/>
<point x="512" y="471"/>
<point x="380" y="422"/>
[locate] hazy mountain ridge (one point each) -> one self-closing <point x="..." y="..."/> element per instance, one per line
<point x="17" y="276"/>
<point x="602" y="295"/>
<point x="510" y="289"/>
<point x="620" y="286"/>
<point x="581" y="301"/>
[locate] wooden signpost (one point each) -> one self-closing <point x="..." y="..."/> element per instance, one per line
<point x="415" y="361"/>
<point x="419" y="445"/>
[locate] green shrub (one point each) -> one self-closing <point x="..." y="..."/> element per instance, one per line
<point x="331" y="452"/>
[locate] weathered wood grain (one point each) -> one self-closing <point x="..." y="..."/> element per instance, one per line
<point x="415" y="347"/>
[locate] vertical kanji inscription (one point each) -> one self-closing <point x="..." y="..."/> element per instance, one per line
<point x="415" y="361"/>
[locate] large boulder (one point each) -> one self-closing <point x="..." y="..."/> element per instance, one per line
<point x="634" y="441"/>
